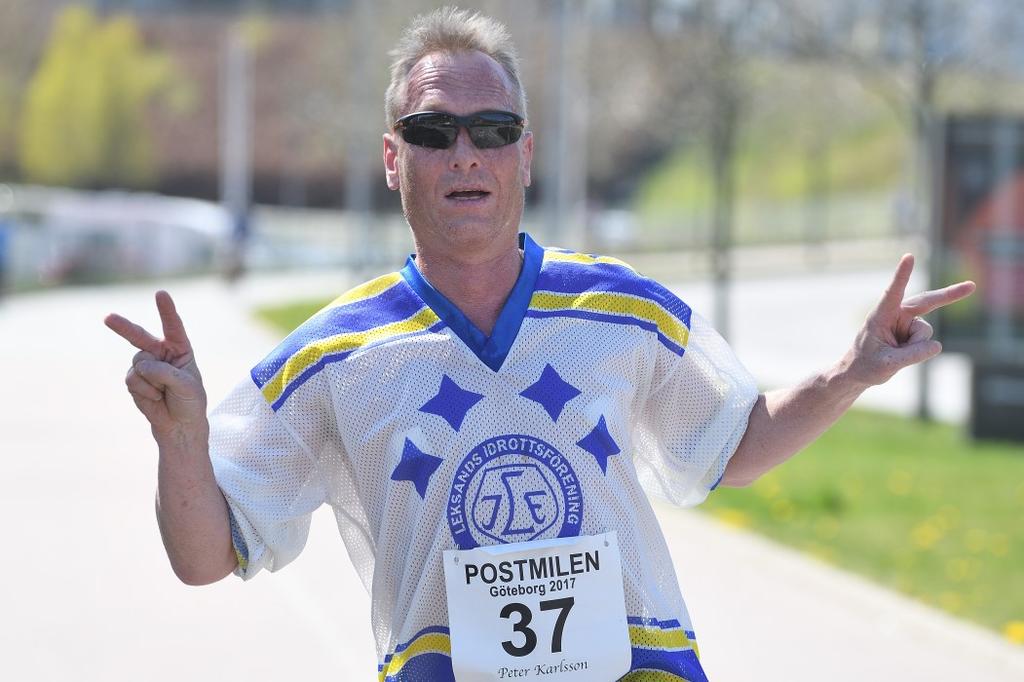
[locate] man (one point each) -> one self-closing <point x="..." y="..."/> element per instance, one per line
<point x="481" y="421"/>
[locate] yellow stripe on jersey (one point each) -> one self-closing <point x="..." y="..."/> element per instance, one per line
<point x="651" y="676"/>
<point x="366" y="290"/>
<point x="655" y="637"/>
<point x="583" y="259"/>
<point x="340" y="343"/>
<point x="430" y="643"/>
<point x="615" y="304"/>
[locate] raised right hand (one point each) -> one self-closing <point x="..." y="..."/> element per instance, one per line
<point x="164" y="380"/>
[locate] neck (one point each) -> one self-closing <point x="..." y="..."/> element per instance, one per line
<point x="478" y="289"/>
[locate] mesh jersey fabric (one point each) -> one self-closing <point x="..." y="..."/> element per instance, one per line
<point x="597" y="382"/>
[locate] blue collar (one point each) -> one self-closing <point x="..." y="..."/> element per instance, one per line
<point x="491" y="351"/>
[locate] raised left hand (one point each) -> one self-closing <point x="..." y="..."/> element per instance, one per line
<point x="894" y="335"/>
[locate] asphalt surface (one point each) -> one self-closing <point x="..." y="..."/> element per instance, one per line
<point x="87" y="594"/>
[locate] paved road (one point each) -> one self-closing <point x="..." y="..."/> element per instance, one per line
<point x="87" y="593"/>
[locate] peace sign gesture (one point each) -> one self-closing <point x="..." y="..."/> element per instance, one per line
<point x="164" y="380"/>
<point x="894" y="335"/>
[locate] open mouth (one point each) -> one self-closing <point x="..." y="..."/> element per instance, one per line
<point x="468" y="195"/>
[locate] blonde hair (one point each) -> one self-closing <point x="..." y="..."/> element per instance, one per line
<point x="450" y="29"/>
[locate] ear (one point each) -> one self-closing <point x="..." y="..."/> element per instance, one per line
<point x="391" y="161"/>
<point x="527" y="157"/>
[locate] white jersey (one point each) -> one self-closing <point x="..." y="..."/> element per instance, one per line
<point x="389" y="405"/>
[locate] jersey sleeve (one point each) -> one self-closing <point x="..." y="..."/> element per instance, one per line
<point x="694" y="416"/>
<point x="269" y="476"/>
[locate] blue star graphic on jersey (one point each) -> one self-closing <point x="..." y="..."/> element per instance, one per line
<point x="600" y="444"/>
<point x="416" y="466"/>
<point x="551" y="391"/>
<point x="451" y="403"/>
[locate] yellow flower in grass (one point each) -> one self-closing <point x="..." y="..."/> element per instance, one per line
<point x="976" y="540"/>
<point x="999" y="545"/>
<point x="827" y="528"/>
<point x="1014" y="631"/>
<point x="732" y="517"/>
<point x="948" y="517"/>
<point x="925" y="535"/>
<point x="959" y="570"/>
<point x="768" y="488"/>
<point x="951" y="601"/>
<point x="826" y="554"/>
<point x="900" y="482"/>
<point x="783" y="510"/>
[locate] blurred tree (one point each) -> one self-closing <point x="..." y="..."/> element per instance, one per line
<point x="83" y="118"/>
<point x="722" y="28"/>
<point x="647" y="89"/>
<point x="721" y="36"/>
<point x="7" y="107"/>
<point x="22" y="30"/>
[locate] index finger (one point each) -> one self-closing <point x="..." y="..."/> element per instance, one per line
<point x="174" y="328"/>
<point x="927" y="301"/>
<point x="893" y="296"/>
<point x="133" y="333"/>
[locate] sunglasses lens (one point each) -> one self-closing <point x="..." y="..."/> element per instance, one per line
<point x="492" y="129"/>
<point x="430" y="135"/>
<point x="491" y="136"/>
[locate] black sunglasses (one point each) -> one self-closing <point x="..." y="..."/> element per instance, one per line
<point x="438" y="130"/>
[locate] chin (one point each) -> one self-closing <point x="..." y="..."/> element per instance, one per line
<point x="477" y="235"/>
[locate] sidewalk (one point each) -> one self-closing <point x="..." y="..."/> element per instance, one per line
<point x="765" y="612"/>
<point x="88" y="594"/>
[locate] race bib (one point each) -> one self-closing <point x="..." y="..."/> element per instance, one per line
<point x="547" y="610"/>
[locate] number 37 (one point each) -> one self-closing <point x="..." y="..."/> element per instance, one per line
<point x="525" y="616"/>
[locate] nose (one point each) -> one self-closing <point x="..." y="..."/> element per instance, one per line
<point x="463" y="154"/>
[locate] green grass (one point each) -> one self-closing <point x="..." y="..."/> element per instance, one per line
<point x="916" y="507"/>
<point x="863" y="160"/>
<point x="288" y="316"/>
<point x="774" y="192"/>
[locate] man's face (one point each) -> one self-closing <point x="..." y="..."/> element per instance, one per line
<point x="462" y="197"/>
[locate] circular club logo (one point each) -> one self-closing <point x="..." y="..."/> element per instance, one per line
<point x="513" y="489"/>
